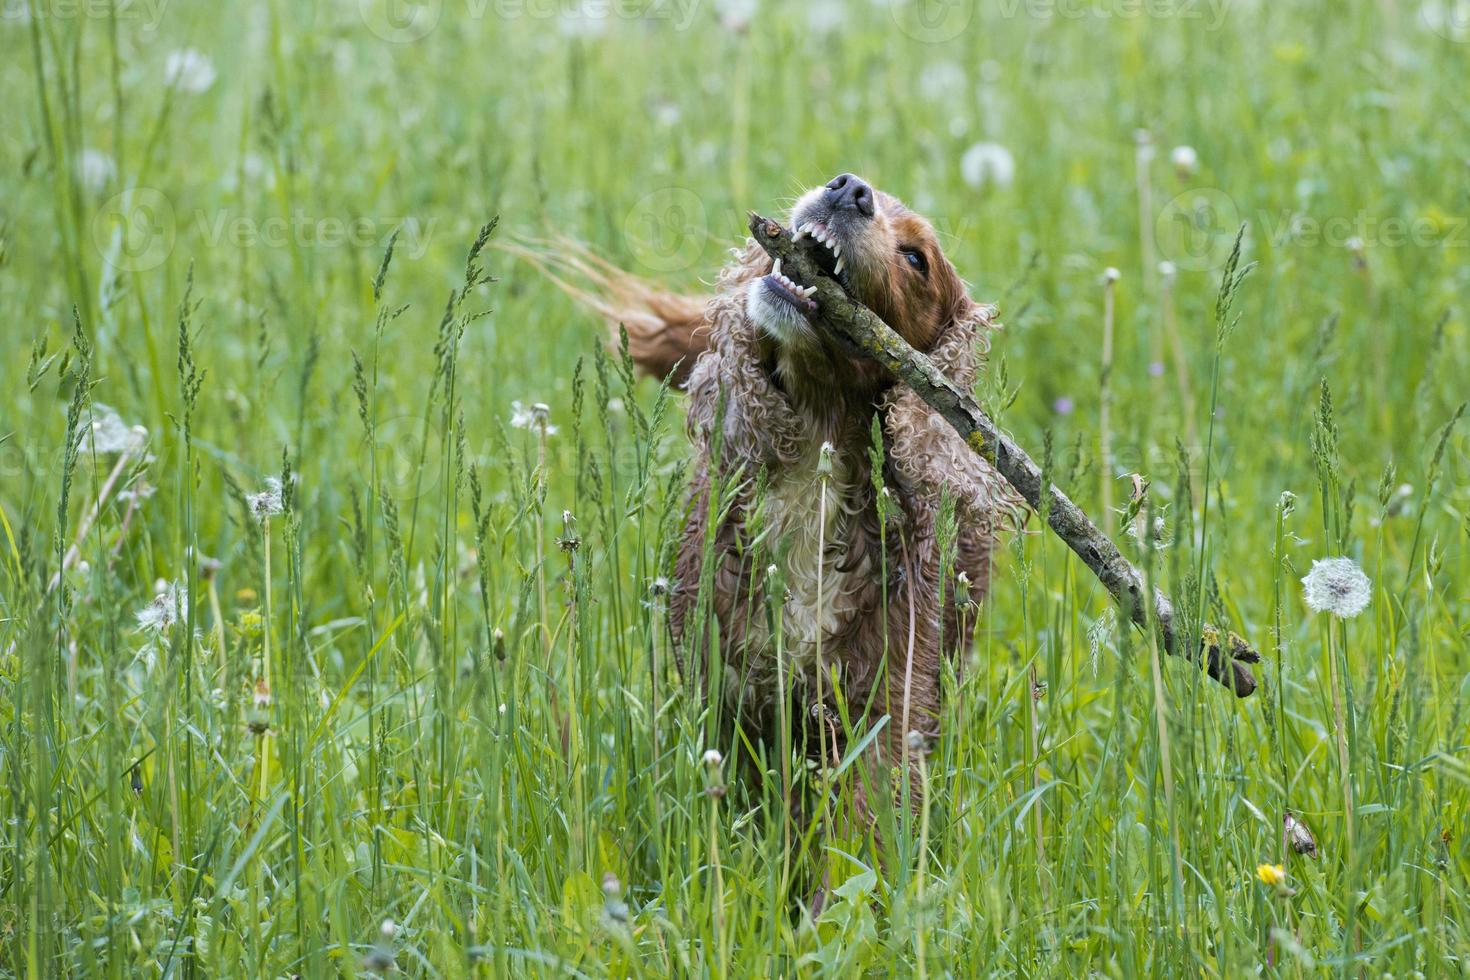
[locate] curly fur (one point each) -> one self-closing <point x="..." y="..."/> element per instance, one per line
<point x="784" y="579"/>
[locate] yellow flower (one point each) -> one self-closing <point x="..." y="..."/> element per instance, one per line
<point x="1271" y="874"/>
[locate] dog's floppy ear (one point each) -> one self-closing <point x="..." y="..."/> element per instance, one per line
<point x="925" y="453"/>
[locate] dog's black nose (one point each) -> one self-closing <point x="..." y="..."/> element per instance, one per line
<point x="849" y="192"/>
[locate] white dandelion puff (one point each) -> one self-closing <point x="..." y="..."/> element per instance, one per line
<point x="189" y="70"/>
<point x="108" y="433"/>
<point x="169" y="606"/>
<point x="1185" y="160"/>
<point x="1337" y="586"/>
<point x="95" y="169"/>
<point x="988" y="163"/>
<point x="942" y="81"/>
<point x="268" y="503"/>
<point x="535" y="416"/>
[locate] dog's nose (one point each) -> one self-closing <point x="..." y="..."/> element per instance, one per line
<point x="849" y="192"/>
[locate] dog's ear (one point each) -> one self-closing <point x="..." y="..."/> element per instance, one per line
<point x="925" y="453"/>
<point x="965" y="340"/>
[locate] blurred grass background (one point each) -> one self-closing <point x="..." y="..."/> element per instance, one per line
<point x="472" y="727"/>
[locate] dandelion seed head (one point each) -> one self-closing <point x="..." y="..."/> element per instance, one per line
<point x="942" y="80"/>
<point x="712" y="757"/>
<point x="1337" y="586"/>
<point x="1168" y="270"/>
<point x="268" y="503"/>
<point x="189" y="70"/>
<point x="95" y="169"/>
<point x="1185" y="160"/>
<point x="1111" y="275"/>
<point x="535" y="416"/>
<point x="986" y="164"/>
<point x="108" y="433"/>
<point x="169" y="606"/>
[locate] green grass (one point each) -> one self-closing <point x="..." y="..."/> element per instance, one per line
<point x="474" y="726"/>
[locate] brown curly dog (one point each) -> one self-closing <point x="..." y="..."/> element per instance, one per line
<point x="806" y="592"/>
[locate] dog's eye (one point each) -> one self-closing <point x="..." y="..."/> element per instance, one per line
<point x="915" y="259"/>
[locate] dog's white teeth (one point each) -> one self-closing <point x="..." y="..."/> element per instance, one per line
<point x="776" y="269"/>
<point x="837" y="249"/>
<point x="838" y="267"/>
<point x="808" y="291"/>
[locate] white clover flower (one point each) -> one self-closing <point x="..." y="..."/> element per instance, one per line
<point x="189" y="70"/>
<point x="1185" y="160"/>
<point x="95" y="169"/>
<point x="1111" y="275"/>
<point x="1337" y="586"/>
<point x="1167" y="270"/>
<point x="713" y="758"/>
<point x="988" y="163"/>
<point x="536" y="416"/>
<point x="268" y="503"/>
<point x="169" y="606"/>
<point x="108" y="433"/>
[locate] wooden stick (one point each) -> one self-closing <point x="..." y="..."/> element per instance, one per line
<point x="1226" y="655"/>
